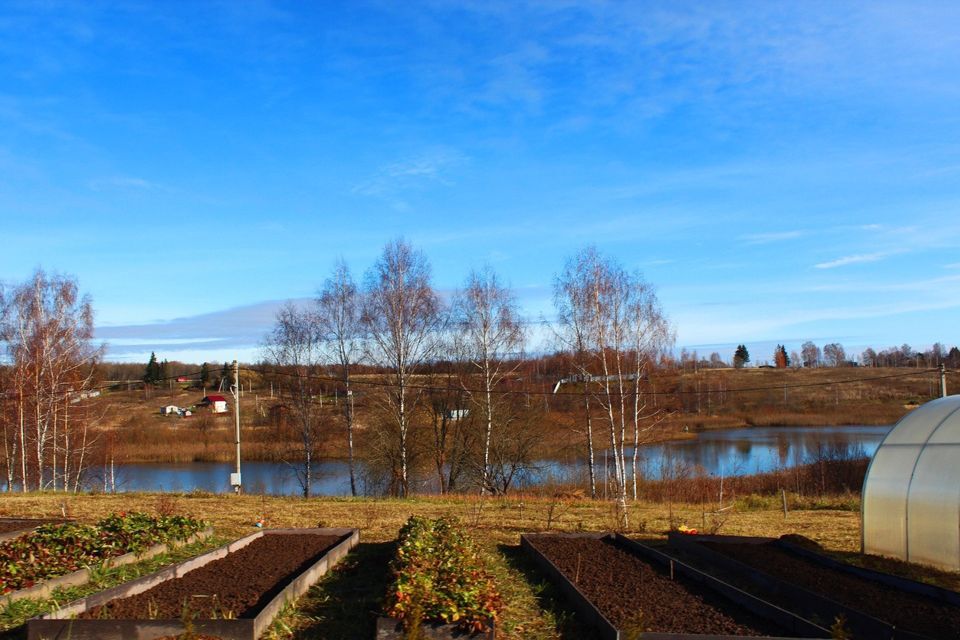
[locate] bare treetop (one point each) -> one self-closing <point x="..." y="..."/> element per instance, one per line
<point x="295" y="339"/>
<point x="338" y="314"/>
<point x="401" y="310"/>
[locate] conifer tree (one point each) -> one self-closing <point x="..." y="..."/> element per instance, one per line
<point x="226" y="376"/>
<point x="741" y="356"/>
<point x="152" y="374"/>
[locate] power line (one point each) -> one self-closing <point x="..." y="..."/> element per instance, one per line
<point x="421" y="387"/>
<point x="533" y="392"/>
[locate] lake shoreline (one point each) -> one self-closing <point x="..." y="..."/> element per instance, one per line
<point x="707" y="453"/>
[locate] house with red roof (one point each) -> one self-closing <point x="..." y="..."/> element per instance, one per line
<point x="217" y="404"/>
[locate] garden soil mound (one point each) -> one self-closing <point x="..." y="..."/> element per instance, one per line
<point x="904" y="610"/>
<point x="238" y="585"/>
<point x="633" y="594"/>
<point x="16" y="524"/>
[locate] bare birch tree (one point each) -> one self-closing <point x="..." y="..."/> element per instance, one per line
<point x="295" y="347"/>
<point x="338" y="314"/>
<point x="574" y="318"/>
<point x="491" y="337"/>
<point x="618" y="319"/>
<point x="651" y="335"/>
<point x="402" y="320"/>
<point x="46" y="327"/>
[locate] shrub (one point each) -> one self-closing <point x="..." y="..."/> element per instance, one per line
<point x="439" y="576"/>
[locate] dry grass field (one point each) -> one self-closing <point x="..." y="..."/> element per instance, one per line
<point x="495" y="520"/>
<point x="134" y="431"/>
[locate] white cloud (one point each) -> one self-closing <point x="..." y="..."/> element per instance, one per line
<point x="854" y="259"/>
<point x="659" y="262"/>
<point x="141" y="342"/>
<point x="121" y="182"/>
<point x="410" y="174"/>
<point x="773" y="236"/>
<point x="195" y="338"/>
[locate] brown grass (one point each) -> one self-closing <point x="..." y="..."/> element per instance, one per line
<point x="706" y="399"/>
<point x="498" y="520"/>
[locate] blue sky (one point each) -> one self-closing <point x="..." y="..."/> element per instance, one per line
<point x="780" y="171"/>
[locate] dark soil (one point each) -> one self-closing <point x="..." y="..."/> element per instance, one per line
<point x="904" y="610"/>
<point x="238" y="585"/>
<point x="16" y="524"/>
<point x="634" y="595"/>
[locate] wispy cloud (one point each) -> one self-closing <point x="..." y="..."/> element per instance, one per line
<point x="942" y="285"/>
<point x="410" y="174"/>
<point x="240" y="329"/>
<point x="659" y="262"/>
<point x="856" y="259"/>
<point x="773" y="236"/>
<point x="427" y="166"/>
<point x="952" y="265"/>
<point x="936" y="297"/>
<point x="122" y="182"/>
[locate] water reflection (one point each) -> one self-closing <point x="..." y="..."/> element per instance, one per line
<point x="273" y="478"/>
<point x="760" y="449"/>
<point x="726" y="452"/>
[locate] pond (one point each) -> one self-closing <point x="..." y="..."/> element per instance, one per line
<point x="722" y="452"/>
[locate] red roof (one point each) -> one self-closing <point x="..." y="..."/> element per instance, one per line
<point x="215" y="399"/>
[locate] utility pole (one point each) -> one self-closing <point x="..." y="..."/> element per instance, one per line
<point x="235" y="388"/>
<point x="943" y="381"/>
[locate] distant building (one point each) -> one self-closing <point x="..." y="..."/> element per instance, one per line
<point x="458" y="414"/>
<point x="169" y="410"/>
<point x="83" y="395"/>
<point x="217" y="404"/>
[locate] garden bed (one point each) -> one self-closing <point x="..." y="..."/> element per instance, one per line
<point x="15" y="527"/>
<point x="59" y="555"/>
<point x="82" y="576"/>
<point x="624" y="588"/>
<point x="231" y="593"/>
<point x="795" y="576"/>
<point x="441" y="588"/>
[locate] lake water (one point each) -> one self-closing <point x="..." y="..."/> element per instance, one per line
<point x="724" y="452"/>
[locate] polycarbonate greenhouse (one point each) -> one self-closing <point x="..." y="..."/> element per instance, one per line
<point x="911" y="495"/>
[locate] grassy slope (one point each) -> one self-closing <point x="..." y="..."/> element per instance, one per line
<point x="693" y="400"/>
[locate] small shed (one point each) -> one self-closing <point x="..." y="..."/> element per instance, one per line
<point x="217" y="404"/>
<point x="169" y="410"/>
<point x="911" y="493"/>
